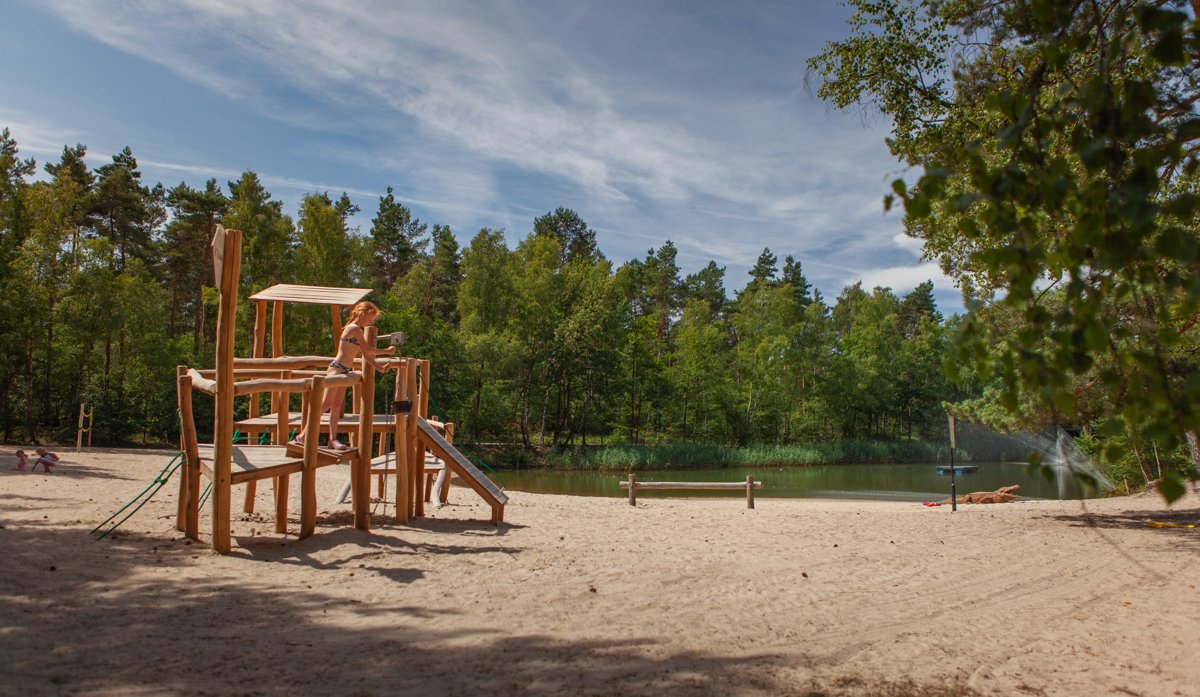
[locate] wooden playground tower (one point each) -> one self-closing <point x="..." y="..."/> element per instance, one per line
<point x="420" y="449"/>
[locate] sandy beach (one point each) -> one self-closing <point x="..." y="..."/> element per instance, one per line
<point x="588" y="596"/>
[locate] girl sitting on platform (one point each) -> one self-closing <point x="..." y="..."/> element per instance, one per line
<point x="351" y="344"/>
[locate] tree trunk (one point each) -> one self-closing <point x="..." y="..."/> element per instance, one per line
<point x="47" y="415"/>
<point x="29" y="424"/>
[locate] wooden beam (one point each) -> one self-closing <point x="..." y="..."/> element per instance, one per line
<point x="279" y="400"/>
<point x="260" y="341"/>
<point x="422" y="409"/>
<point x="366" y="418"/>
<point x="308" y="477"/>
<point x="230" y="263"/>
<point x="401" y="430"/>
<point x="335" y="321"/>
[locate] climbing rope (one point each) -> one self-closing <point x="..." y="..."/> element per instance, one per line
<point x="161" y="479"/>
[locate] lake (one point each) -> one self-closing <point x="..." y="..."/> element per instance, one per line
<point x="905" y="482"/>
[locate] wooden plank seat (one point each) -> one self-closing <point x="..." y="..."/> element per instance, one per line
<point x="253" y="462"/>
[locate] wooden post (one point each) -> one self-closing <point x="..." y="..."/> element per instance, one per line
<point x="749" y="491"/>
<point x="260" y="340"/>
<point x="257" y="351"/>
<point x="189" y="483"/>
<point x="282" y="482"/>
<point x="335" y="322"/>
<point x="79" y="432"/>
<point x="91" y="422"/>
<point x="229" y="267"/>
<point x="423" y="392"/>
<point x="308" y="475"/>
<point x="366" y="421"/>
<point x="279" y="400"/>
<point x="632" y="490"/>
<point x="182" y="381"/>
<point x="400" y="442"/>
<point x="279" y="406"/>
<point x="444" y="494"/>
<point x="416" y="453"/>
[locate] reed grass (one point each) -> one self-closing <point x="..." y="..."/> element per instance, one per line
<point x="683" y="455"/>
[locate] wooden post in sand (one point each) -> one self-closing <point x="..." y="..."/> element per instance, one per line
<point x="953" y="482"/>
<point x="402" y="408"/>
<point x="749" y="491"/>
<point x="227" y="258"/>
<point x="85" y="414"/>
<point x="366" y="419"/>
<point x="632" y="490"/>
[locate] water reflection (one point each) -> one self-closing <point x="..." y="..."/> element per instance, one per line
<point x="907" y="482"/>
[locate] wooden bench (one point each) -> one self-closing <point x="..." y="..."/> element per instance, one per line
<point x="632" y="484"/>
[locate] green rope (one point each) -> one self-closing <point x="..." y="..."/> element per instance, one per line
<point x="470" y="456"/>
<point x="160" y="479"/>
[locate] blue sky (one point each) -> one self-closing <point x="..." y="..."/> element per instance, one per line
<point x="654" y="120"/>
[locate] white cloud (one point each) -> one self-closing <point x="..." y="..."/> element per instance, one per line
<point x="904" y="278"/>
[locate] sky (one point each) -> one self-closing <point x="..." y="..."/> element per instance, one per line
<point x="654" y="120"/>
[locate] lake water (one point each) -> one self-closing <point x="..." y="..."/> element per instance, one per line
<point x="907" y="482"/>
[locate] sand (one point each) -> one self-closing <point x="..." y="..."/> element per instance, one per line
<point x="588" y="596"/>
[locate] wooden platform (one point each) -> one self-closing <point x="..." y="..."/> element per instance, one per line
<point x="267" y="423"/>
<point x="253" y="462"/>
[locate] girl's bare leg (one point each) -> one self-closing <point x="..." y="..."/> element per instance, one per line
<point x="334" y="403"/>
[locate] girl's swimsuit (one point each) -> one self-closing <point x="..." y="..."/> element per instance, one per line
<point x="338" y="366"/>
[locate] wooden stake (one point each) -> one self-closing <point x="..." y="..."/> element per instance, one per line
<point x="79" y="432"/>
<point x="400" y="443"/>
<point x="423" y="390"/>
<point x="308" y="476"/>
<point x="416" y="453"/>
<point x="366" y="420"/>
<point x="279" y="400"/>
<point x="632" y="490"/>
<point x="749" y="491"/>
<point x="230" y="268"/>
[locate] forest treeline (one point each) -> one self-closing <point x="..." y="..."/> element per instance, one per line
<point x="107" y="286"/>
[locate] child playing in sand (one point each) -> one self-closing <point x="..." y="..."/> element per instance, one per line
<point x="22" y="460"/>
<point x="351" y="344"/>
<point x="46" y="459"/>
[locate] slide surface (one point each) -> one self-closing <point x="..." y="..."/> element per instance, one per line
<point x="460" y="465"/>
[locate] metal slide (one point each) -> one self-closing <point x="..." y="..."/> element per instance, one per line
<point x="464" y="468"/>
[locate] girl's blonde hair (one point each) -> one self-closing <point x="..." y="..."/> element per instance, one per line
<point x="362" y="308"/>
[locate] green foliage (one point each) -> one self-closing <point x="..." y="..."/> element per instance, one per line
<point x="542" y="345"/>
<point x="1058" y="143"/>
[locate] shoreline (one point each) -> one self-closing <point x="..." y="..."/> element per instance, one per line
<point x="589" y="596"/>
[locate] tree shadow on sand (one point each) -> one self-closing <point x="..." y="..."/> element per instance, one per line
<point x="1173" y="523"/>
<point x="145" y="615"/>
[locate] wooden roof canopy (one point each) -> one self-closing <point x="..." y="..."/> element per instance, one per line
<point x="313" y="295"/>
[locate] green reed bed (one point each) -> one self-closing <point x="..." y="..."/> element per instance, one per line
<point x="683" y="455"/>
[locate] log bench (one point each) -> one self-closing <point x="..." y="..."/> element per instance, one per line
<point x="632" y="484"/>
